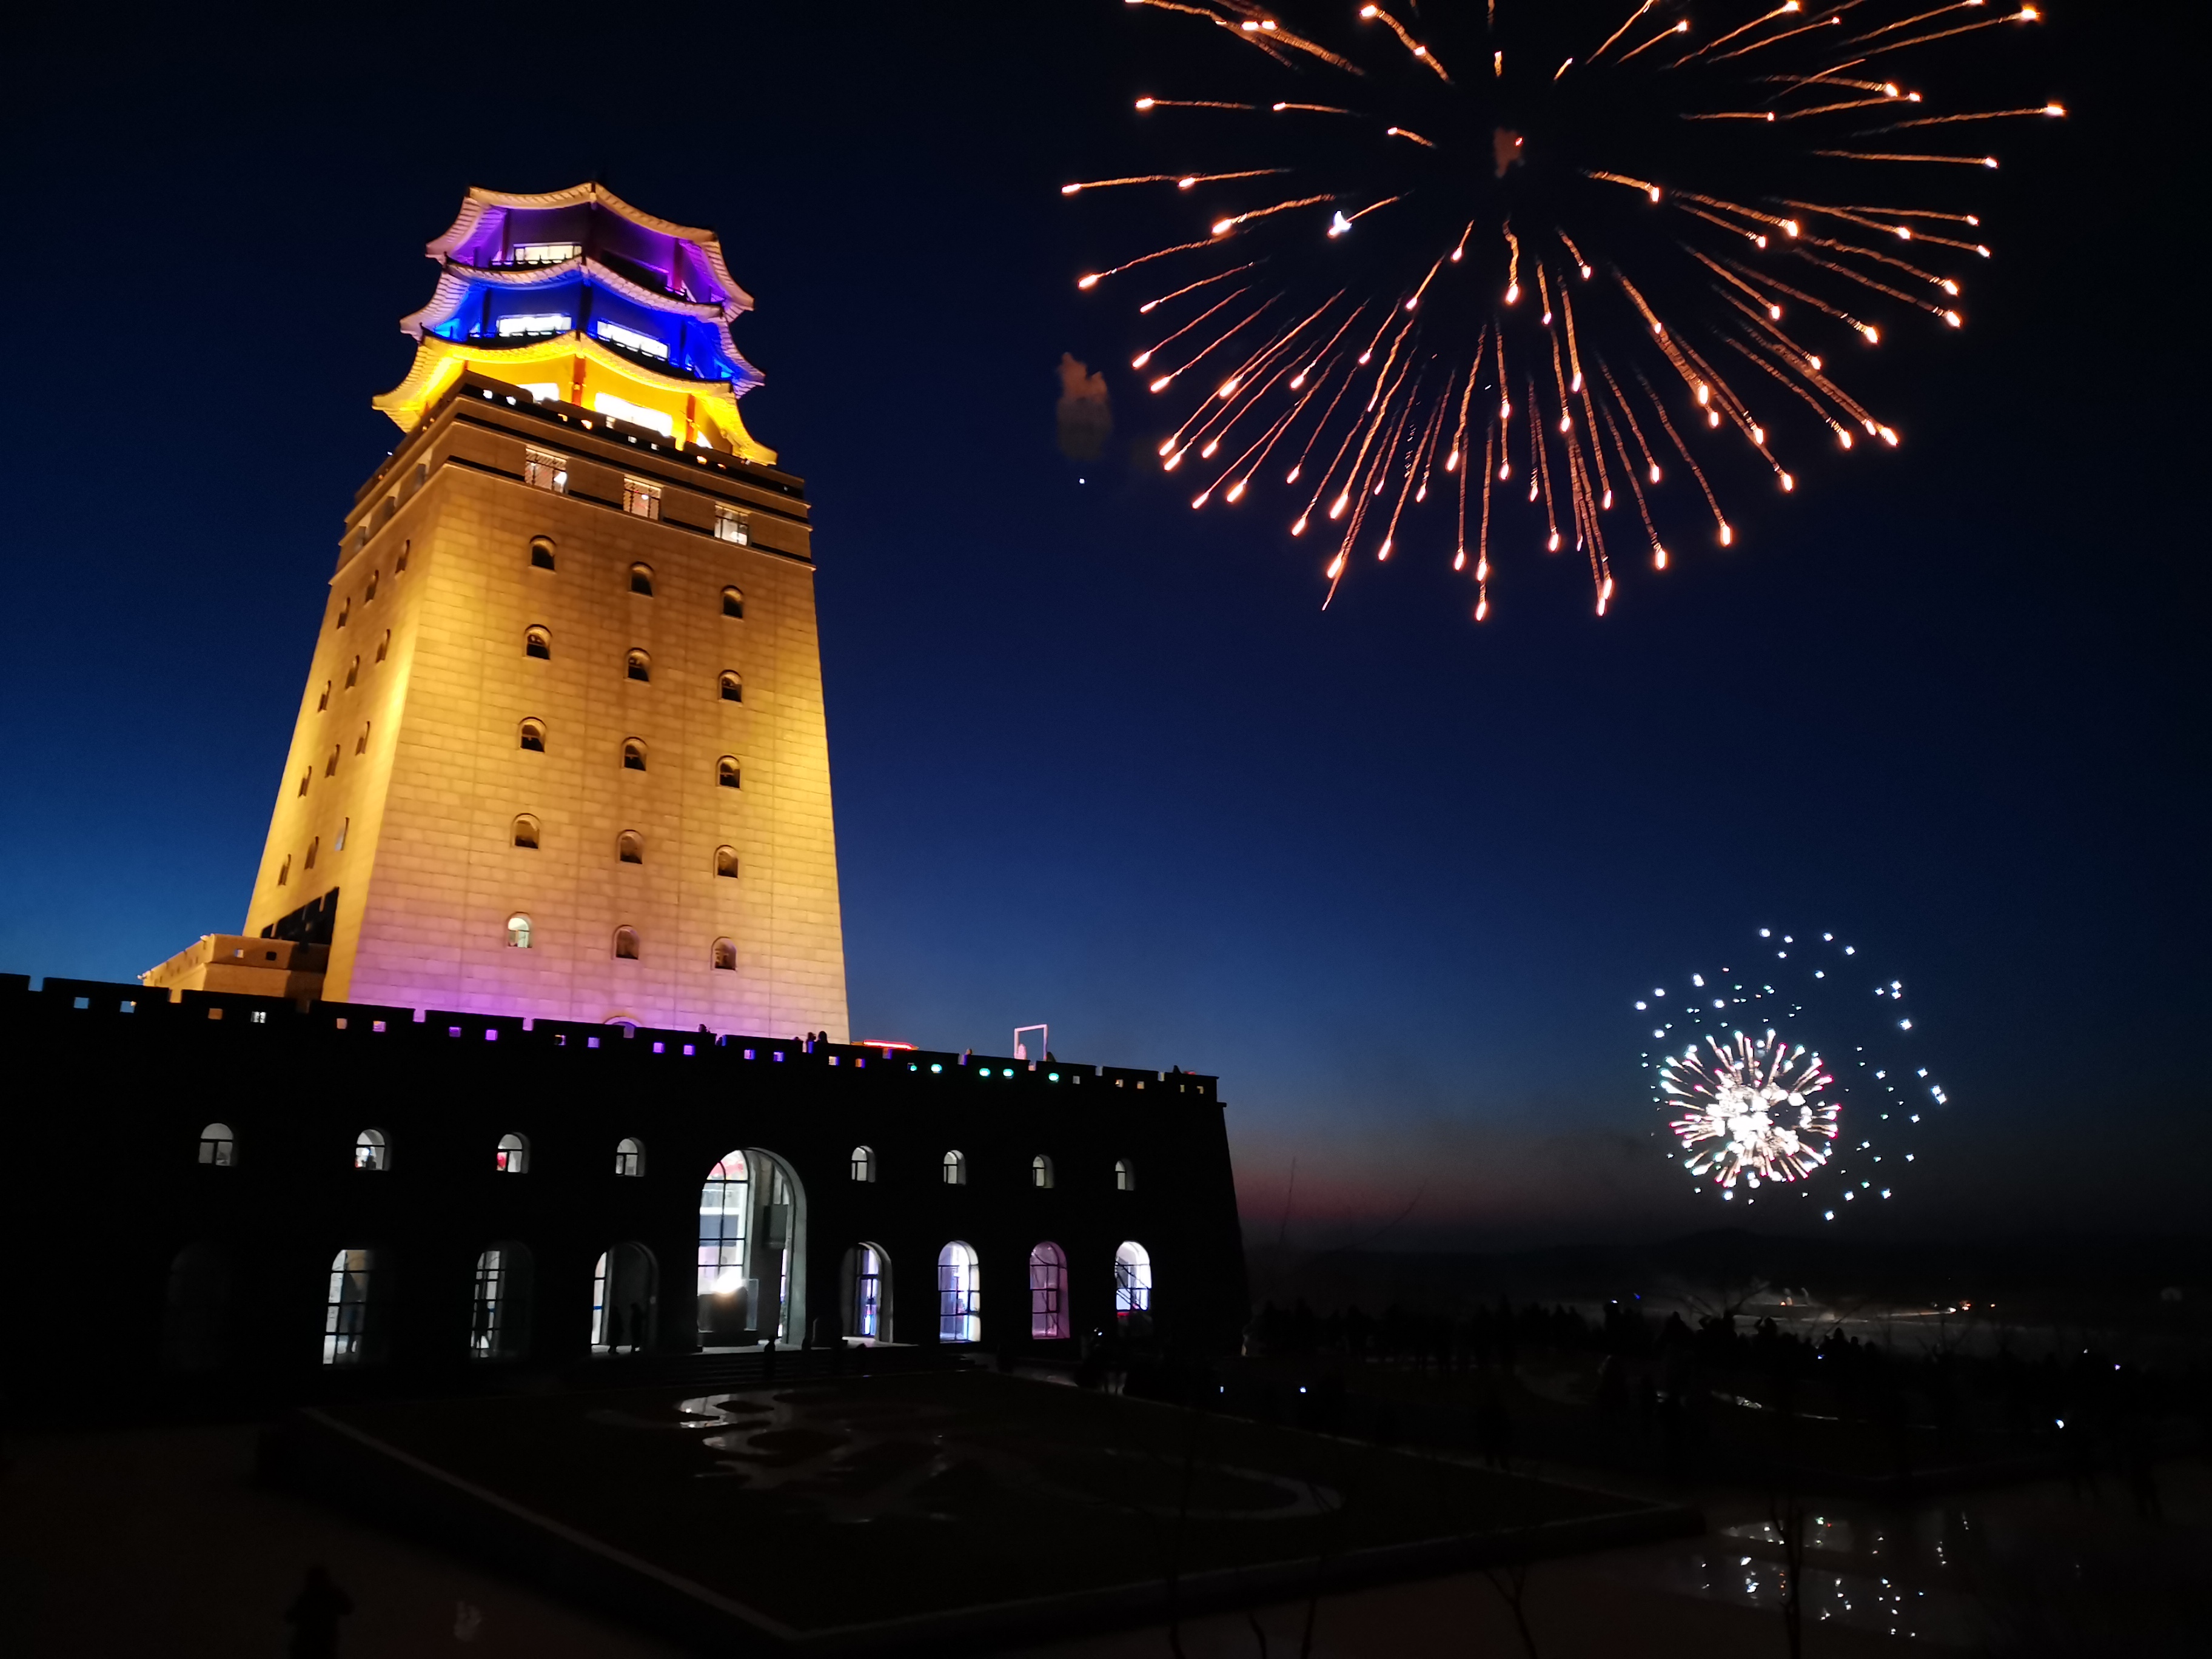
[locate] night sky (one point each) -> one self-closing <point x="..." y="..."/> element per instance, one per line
<point x="1103" y="761"/>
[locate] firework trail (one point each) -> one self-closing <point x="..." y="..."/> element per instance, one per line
<point x="1796" y="1064"/>
<point x="1621" y="223"/>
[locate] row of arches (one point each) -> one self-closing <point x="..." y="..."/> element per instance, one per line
<point x="522" y="933"/>
<point x="637" y="663"/>
<point x="625" y="1297"/>
<point x="372" y="1150"/>
<point x="527" y="832"/>
<point x="960" y="1290"/>
<point x="531" y="737"/>
<point x="751" y="1269"/>
<point x="544" y="555"/>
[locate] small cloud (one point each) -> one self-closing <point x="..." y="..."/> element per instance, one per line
<point x="1085" y="412"/>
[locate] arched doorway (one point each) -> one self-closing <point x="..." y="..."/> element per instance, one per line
<point x="499" y="1320"/>
<point x="196" y="1315"/>
<point x="866" y="1299"/>
<point x="960" y="1294"/>
<point x="625" y="1300"/>
<point x="1133" y="1281"/>
<point x="752" y="1254"/>
<point x="1048" y="1292"/>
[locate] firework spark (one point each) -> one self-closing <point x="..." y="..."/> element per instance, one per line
<point x="1749" y="1110"/>
<point x="1677" y="194"/>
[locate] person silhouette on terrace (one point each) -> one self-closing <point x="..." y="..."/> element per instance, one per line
<point x="314" y="1615"/>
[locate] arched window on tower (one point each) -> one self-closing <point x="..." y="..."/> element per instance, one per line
<point x="314" y="846"/>
<point x="541" y="552"/>
<point x="640" y="580"/>
<point x="956" y="1169"/>
<point x="864" y="1163"/>
<point x="534" y="736"/>
<point x="630" y="848"/>
<point x="353" y="673"/>
<point x="733" y="603"/>
<point x="384" y="646"/>
<point x="1125" y="1175"/>
<point x="517" y="926"/>
<point x="638" y="665"/>
<point x="960" y="1294"/>
<point x="525" y="833"/>
<point x="538" y="642"/>
<point x="1133" y="1280"/>
<point x="512" y="1156"/>
<point x="630" y="1155"/>
<point x="369" y="595"/>
<point x="734" y="688"/>
<point x="372" y="1150"/>
<point x="324" y="701"/>
<point x="633" y="755"/>
<point x="218" y="1145"/>
<point x="726" y="955"/>
<point x="726" y="860"/>
<point x="626" y="945"/>
<point x="726" y="774"/>
<point x="1040" y="1171"/>
<point x="1048" y="1292"/>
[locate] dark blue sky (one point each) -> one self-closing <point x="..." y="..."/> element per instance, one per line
<point x="1101" y="761"/>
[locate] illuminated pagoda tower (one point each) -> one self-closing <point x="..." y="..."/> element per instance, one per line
<point x="562" y="750"/>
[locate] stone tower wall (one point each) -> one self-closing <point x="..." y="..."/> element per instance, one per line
<point x="428" y="873"/>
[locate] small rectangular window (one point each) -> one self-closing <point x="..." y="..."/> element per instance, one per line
<point x="545" y="471"/>
<point x="620" y="409"/>
<point x="641" y="498"/>
<point x="541" y="322"/>
<point x="543" y="392"/>
<point x="617" y="334"/>
<point x="730" y="526"/>
<point x="545" y="253"/>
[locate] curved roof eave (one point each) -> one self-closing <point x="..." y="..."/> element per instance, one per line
<point x="404" y="402"/>
<point x="454" y="281"/>
<point x="478" y="200"/>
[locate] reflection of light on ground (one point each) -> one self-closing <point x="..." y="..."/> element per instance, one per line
<point x="862" y="1460"/>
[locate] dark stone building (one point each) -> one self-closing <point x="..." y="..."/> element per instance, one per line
<point x="267" y="1202"/>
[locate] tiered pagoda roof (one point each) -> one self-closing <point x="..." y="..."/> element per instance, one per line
<point x="584" y="299"/>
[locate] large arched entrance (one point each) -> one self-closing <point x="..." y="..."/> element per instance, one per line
<point x="752" y="1251"/>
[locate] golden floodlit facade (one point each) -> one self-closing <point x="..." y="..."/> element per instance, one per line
<point x="562" y="751"/>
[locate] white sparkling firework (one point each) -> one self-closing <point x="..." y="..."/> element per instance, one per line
<point x="1750" y="1109"/>
<point x="1803" y="1006"/>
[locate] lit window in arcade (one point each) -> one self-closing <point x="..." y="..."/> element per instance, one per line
<point x="631" y="339"/>
<point x="534" y="323"/>
<point x="960" y="1294"/>
<point x="1133" y="1280"/>
<point x="346" y="1311"/>
<point x="620" y="409"/>
<point x="1048" y="1292"/>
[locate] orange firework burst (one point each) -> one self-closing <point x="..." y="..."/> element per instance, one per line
<point x="1587" y="240"/>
